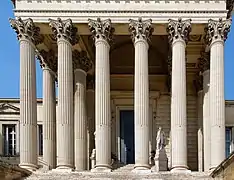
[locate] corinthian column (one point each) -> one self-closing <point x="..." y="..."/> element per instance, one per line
<point x="81" y="65"/>
<point x="205" y="66"/>
<point x="28" y="36"/>
<point x="66" y="37"/>
<point x="216" y="35"/>
<point x="178" y="35"/>
<point x="48" y="63"/>
<point x="102" y="34"/>
<point x="141" y="32"/>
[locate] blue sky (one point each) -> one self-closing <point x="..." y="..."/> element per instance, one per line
<point x="9" y="57"/>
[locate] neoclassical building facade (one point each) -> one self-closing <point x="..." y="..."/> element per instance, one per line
<point x="122" y="70"/>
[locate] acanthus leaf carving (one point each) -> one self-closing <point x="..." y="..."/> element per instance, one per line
<point x="101" y="29"/>
<point x="81" y="60"/>
<point x="179" y="29"/>
<point x="26" y="29"/>
<point x="64" y="29"/>
<point x="217" y="30"/>
<point x="48" y="59"/>
<point x="140" y="29"/>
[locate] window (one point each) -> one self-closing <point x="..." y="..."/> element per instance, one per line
<point x="228" y="141"/>
<point x="9" y="139"/>
<point x="40" y="139"/>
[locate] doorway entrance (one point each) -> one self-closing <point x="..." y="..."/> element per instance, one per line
<point x="127" y="147"/>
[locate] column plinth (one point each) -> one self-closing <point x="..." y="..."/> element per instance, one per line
<point x="178" y="35"/>
<point x="102" y="34"/>
<point x="28" y="100"/>
<point x="141" y="32"/>
<point x="217" y="32"/>
<point x="49" y="118"/>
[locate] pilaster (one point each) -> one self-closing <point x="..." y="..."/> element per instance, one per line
<point x="102" y="32"/>
<point x="178" y="31"/>
<point x="28" y="36"/>
<point x="141" y="32"/>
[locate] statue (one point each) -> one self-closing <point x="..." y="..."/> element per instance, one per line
<point x="160" y="139"/>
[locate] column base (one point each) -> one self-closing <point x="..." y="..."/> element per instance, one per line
<point x="180" y="169"/>
<point x="63" y="169"/>
<point x="142" y="169"/>
<point x="28" y="166"/>
<point x="102" y="168"/>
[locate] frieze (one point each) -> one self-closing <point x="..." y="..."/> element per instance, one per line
<point x="101" y="29"/>
<point x="64" y="29"/>
<point x="217" y="30"/>
<point x="26" y="29"/>
<point x="140" y="29"/>
<point x="179" y="29"/>
<point x="81" y="60"/>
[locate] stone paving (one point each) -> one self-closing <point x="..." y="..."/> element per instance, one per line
<point x="39" y="175"/>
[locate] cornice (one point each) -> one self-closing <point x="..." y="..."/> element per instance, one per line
<point x="122" y="16"/>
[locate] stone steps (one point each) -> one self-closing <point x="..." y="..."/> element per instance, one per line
<point x="39" y="175"/>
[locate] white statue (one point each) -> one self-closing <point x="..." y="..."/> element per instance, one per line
<point x="160" y="139"/>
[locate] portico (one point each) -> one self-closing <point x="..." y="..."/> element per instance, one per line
<point x="148" y="71"/>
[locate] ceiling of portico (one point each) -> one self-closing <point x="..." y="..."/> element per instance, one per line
<point x="122" y="51"/>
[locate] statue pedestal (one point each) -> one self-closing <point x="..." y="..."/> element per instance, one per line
<point x="161" y="161"/>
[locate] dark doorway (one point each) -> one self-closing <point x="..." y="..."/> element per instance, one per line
<point x="127" y="148"/>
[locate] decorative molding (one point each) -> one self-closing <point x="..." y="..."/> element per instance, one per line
<point x="101" y="29"/>
<point x="26" y="29"/>
<point x="140" y="29"/>
<point x="81" y="60"/>
<point x="217" y="30"/>
<point x="6" y="106"/>
<point x="64" y="29"/>
<point x="179" y="29"/>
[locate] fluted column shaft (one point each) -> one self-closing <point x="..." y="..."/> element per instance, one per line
<point x="80" y="120"/>
<point x="102" y="104"/>
<point x="217" y="103"/>
<point x="200" y="129"/>
<point x="49" y="118"/>
<point x="28" y="106"/>
<point x="206" y="119"/>
<point x="65" y="123"/>
<point x="141" y="104"/>
<point x="178" y="106"/>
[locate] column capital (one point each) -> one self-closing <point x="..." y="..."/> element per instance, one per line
<point x="217" y="30"/>
<point x="204" y="61"/>
<point x="179" y="29"/>
<point x="101" y="29"/>
<point x="64" y="29"/>
<point x="140" y="30"/>
<point x="48" y="59"/>
<point x="81" y="60"/>
<point x="90" y="81"/>
<point x="26" y="29"/>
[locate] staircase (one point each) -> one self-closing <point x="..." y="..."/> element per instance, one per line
<point x="125" y="168"/>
